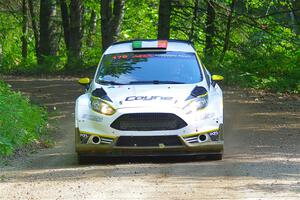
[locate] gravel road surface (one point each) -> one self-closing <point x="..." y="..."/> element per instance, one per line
<point x="261" y="160"/>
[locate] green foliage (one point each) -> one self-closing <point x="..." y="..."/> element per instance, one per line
<point x="21" y="123"/>
<point x="267" y="58"/>
<point x="276" y="70"/>
<point x="91" y="55"/>
<point x="140" y="20"/>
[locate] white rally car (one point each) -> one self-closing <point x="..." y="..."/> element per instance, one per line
<point x="150" y="98"/>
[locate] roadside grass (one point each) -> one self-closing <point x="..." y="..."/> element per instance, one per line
<point x="22" y="124"/>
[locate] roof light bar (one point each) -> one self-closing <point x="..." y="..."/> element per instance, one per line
<point x="159" y="44"/>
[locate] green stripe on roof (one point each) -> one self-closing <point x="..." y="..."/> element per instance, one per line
<point x="137" y="44"/>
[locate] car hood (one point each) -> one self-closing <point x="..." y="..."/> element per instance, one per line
<point x="129" y="96"/>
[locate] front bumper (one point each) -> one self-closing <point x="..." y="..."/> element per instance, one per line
<point x="209" y="147"/>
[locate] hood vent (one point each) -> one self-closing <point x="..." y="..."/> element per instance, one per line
<point x="100" y="92"/>
<point x="197" y="91"/>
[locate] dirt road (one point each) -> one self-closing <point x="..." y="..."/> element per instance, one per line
<point x="261" y="161"/>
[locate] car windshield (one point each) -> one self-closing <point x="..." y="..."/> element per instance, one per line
<point x="149" y="68"/>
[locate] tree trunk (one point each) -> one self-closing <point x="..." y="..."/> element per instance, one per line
<point x="24" y="29"/>
<point x="228" y="27"/>
<point x="34" y="28"/>
<point x="296" y="16"/>
<point x="92" y="29"/>
<point x="48" y="46"/>
<point x="112" y="13"/>
<point x="210" y="31"/>
<point x="118" y="15"/>
<point x="164" y="19"/>
<point x="195" y="16"/>
<point x="75" y="42"/>
<point x="65" y="22"/>
<point x="106" y="15"/>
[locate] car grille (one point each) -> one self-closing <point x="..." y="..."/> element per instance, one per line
<point x="148" y="122"/>
<point x="148" y="141"/>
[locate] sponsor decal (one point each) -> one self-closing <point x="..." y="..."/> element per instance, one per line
<point x="118" y="57"/>
<point x="207" y="116"/>
<point x="147" y="98"/>
<point x="215" y="133"/>
<point x="92" y="118"/>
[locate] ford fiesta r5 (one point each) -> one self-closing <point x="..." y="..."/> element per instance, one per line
<point x="150" y="98"/>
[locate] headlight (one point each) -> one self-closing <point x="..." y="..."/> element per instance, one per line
<point x="101" y="106"/>
<point x="196" y="104"/>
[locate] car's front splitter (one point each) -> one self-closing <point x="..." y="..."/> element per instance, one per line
<point x="211" y="147"/>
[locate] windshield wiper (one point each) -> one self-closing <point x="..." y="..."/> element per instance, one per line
<point x="155" y="82"/>
<point x="109" y="82"/>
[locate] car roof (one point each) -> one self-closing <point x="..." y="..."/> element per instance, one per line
<point x="173" y="45"/>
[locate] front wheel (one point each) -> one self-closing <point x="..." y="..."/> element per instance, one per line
<point x="85" y="159"/>
<point x="218" y="156"/>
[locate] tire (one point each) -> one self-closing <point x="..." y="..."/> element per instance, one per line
<point x="84" y="159"/>
<point x="218" y="156"/>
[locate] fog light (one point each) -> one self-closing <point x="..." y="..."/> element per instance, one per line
<point x="202" y="138"/>
<point x="96" y="140"/>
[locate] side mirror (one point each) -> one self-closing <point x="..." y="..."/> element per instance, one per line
<point x="84" y="81"/>
<point x="216" y="78"/>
